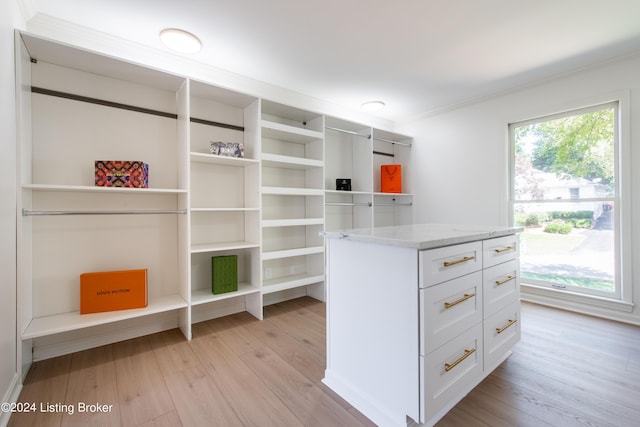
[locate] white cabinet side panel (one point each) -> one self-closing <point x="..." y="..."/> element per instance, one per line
<point x="372" y="326"/>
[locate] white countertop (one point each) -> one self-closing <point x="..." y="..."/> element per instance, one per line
<point x="424" y="236"/>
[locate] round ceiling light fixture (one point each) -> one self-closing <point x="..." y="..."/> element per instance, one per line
<point x="180" y="40"/>
<point x="372" y="106"/>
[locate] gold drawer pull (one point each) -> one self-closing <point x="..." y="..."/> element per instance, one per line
<point x="508" y="248"/>
<point x="458" y="301"/>
<point x="501" y="330"/>
<point x="467" y="353"/>
<point x="465" y="259"/>
<point x="502" y="282"/>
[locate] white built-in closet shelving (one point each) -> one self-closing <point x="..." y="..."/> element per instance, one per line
<point x="270" y="207"/>
<point x="224" y="198"/>
<point x="357" y="152"/>
<point x="76" y="107"/>
<point x="292" y="199"/>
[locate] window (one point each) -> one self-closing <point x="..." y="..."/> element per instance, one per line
<point x="575" y="193"/>
<point x="564" y="191"/>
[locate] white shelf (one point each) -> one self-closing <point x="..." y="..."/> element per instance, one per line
<point x="65" y="322"/>
<point x="204" y="296"/>
<point x="289" y="162"/>
<point x="289" y="253"/>
<point x="291" y="222"/>
<point x="394" y="194"/>
<point x="225" y="209"/>
<point x="274" y="130"/>
<point x="222" y="160"/>
<point x="290" y="282"/>
<point x="350" y="193"/>
<point x="288" y="191"/>
<point x="94" y="189"/>
<point x="224" y="246"/>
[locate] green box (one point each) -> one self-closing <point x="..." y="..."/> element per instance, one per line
<point x="224" y="274"/>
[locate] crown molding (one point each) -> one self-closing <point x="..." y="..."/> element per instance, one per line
<point x="633" y="54"/>
<point x="27" y="9"/>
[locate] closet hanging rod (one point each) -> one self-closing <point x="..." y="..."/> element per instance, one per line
<point x="368" y="204"/>
<point x="406" y="144"/>
<point x="102" y="102"/>
<point x="350" y="132"/>
<point x="216" y="124"/>
<point x="128" y="107"/>
<point x="380" y="153"/>
<point x="26" y="212"/>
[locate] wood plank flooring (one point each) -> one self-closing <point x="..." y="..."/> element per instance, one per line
<point x="568" y="370"/>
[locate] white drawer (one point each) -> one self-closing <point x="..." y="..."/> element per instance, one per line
<point x="501" y="333"/>
<point x="450" y="372"/>
<point x="442" y="264"/>
<point x="448" y="309"/>
<point x="501" y="286"/>
<point x="500" y="249"/>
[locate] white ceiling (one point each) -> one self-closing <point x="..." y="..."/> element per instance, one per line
<point x="416" y="55"/>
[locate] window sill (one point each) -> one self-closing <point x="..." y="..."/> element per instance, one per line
<point x="588" y="304"/>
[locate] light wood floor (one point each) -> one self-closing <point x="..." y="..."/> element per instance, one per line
<point x="568" y="370"/>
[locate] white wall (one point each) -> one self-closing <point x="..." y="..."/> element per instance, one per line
<point x="10" y="18"/>
<point x="461" y="155"/>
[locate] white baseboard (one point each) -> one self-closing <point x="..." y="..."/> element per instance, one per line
<point x="289" y="294"/>
<point x="204" y="312"/>
<point x="361" y="401"/>
<point x="10" y="396"/>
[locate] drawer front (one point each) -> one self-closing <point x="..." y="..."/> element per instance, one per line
<point x="500" y="249"/>
<point x="501" y="286"/>
<point x="448" y="309"/>
<point x="450" y="372"/>
<point x="442" y="264"/>
<point x="501" y="333"/>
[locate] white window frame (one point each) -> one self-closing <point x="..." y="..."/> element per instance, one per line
<point x="622" y="301"/>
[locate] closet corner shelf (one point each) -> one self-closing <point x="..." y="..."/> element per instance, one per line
<point x="95" y="189"/>
<point x="266" y="223"/>
<point x="204" y="296"/>
<point x="290" y="253"/>
<point x="65" y="322"/>
<point x="394" y="194"/>
<point x="275" y="130"/>
<point x="291" y="191"/>
<point x="290" y="282"/>
<point x="349" y="193"/>
<point x="222" y="160"/>
<point x="289" y="162"/>
<point x="225" y="246"/>
<point x="224" y="209"/>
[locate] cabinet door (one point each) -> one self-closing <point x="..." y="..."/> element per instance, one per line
<point x="442" y="264"/>
<point x="499" y="250"/>
<point x="448" y="309"/>
<point x="450" y="372"/>
<point x="501" y="286"/>
<point x="501" y="333"/>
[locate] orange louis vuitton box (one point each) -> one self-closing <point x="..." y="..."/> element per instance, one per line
<point x="391" y="178"/>
<point x="113" y="290"/>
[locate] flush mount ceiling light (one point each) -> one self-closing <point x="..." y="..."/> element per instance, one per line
<point x="180" y="40"/>
<point x="372" y="106"/>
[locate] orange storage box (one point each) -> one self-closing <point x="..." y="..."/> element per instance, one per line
<point x="113" y="290"/>
<point x="391" y="178"/>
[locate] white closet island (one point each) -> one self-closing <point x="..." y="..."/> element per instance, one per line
<point x="418" y="315"/>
